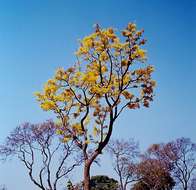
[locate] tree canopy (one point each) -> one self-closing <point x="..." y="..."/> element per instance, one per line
<point x="109" y="76"/>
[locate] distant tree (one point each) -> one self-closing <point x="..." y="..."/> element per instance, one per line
<point x="70" y="185"/>
<point x="162" y="153"/>
<point x="180" y="156"/>
<point x="101" y="182"/>
<point x="124" y="154"/>
<point x="154" y="176"/>
<point x="107" y="79"/>
<point x="39" y="148"/>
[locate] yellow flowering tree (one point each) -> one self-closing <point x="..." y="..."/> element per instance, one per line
<point x="109" y="77"/>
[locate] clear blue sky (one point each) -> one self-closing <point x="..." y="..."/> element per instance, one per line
<point x="38" y="36"/>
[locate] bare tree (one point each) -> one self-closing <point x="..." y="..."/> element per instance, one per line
<point x="46" y="158"/>
<point x="180" y="156"/>
<point x="124" y="154"/>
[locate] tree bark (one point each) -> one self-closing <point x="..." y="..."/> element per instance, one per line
<point x="87" y="176"/>
<point x="185" y="186"/>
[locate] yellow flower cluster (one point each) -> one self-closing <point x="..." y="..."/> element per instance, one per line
<point x="96" y="131"/>
<point x="61" y="74"/>
<point x="138" y="53"/>
<point x="98" y="42"/>
<point x="48" y="105"/>
<point x="50" y="97"/>
<point x="103" y="56"/>
<point x="77" y="128"/>
<point x="99" y="89"/>
<point x="66" y="138"/>
<point x="127" y="95"/>
<point x="145" y="71"/>
<point x="87" y="120"/>
<point x="90" y="77"/>
<point x="126" y="79"/>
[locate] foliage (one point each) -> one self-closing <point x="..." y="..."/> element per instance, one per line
<point x="140" y="185"/>
<point x="70" y="185"/>
<point x="101" y="182"/>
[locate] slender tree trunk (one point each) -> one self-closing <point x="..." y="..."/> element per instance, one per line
<point x="87" y="176"/>
<point x="125" y="186"/>
<point x="89" y="161"/>
<point x="185" y="185"/>
<point x="121" y="184"/>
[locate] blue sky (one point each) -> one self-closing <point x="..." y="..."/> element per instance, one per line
<point x="36" y="37"/>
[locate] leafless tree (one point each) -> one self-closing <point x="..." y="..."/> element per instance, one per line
<point x="46" y="158"/>
<point x="180" y="156"/>
<point x="124" y="154"/>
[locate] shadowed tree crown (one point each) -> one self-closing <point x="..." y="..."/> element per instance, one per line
<point x="101" y="182"/>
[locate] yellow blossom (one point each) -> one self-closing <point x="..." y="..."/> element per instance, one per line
<point x="126" y="79"/>
<point x="39" y="96"/>
<point x="87" y="141"/>
<point x="141" y="53"/>
<point x="124" y="62"/>
<point x="127" y="95"/>
<point x="95" y="131"/>
<point x="104" y="56"/>
<point x="87" y="120"/>
<point x="77" y="127"/>
<point x="90" y="77"/>
<point x="61" y="74"/>
<point x="131" y="27"/>
<point x="66" y="138"/>
<point x="59" y="132"/>
<point x="48" y="105"/>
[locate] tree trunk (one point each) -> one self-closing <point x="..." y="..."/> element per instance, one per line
<point x="185" y="185"/>
<point x="87" y="176"/>
<point x="89" y="161"/>
<point x="121" y="184"/>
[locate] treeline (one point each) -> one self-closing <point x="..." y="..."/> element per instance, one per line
<point x="162" y="166"/>
<point x="50" y="161"/>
